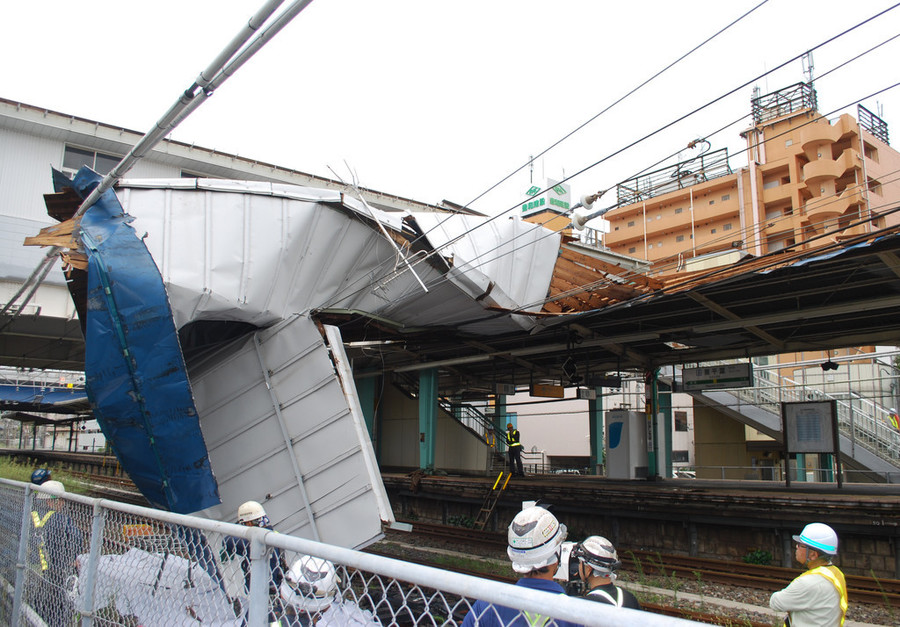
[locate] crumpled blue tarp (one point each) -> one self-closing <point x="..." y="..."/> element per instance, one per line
<point x="136" y="377"/>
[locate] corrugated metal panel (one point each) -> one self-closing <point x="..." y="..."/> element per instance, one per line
<point x="25" y="180"/>
<point x="262" y="254"/>
<point x="281" y="431"/>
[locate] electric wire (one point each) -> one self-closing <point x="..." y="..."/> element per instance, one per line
<point x="375" y="281"/>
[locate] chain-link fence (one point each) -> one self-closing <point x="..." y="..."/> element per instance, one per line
<point x="71" y="560"/>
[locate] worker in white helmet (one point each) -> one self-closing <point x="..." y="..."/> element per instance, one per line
<point x="599" y="567"/>
<point x="56" y="542"/>
<point x="311" y="594"/>
<point x="818" y="597"/>
<point x="253" y="514"/>
<point x="534" y="540"/>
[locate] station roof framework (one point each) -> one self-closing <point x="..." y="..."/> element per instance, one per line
<point x="839" y="295"/>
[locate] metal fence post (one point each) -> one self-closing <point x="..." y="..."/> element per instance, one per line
<point x="259" y="580"/>
<point x="90" y="575"/>
<point x="22" y="558"/>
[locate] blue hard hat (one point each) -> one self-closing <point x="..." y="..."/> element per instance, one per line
<point x="39" y="476"/>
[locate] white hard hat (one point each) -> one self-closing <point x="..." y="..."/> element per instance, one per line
<point x="311" y="585"/>
<point x="250" y="511"/>
<point x="599" y="553"/>
<point x="534" y="537"/>
<point x="54" y="488"/>
<point x="820" y="537"/>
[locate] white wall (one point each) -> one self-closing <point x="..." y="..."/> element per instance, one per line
<point x="557" y="428"/>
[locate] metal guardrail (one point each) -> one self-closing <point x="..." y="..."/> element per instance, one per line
<point x="862" y="420"/>
<point x="99" y="562"/>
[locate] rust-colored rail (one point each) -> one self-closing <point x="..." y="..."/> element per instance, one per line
<point x="860" y="589"/>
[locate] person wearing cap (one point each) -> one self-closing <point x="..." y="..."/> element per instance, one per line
<point x="818" y="597"/>
<point x="598" y="567"/>
<point x="514" y="449"/>
<point x="56" y="543"/>
<point x="534" y="538"/>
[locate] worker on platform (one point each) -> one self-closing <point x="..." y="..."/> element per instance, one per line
<point x="514" y="448"/>
<point x="253" y="514"/>
<point x="598" y="567"/>
<point x="818" y="597"/>
<point x="534" y="540"/>
<point x="40" y="475"/>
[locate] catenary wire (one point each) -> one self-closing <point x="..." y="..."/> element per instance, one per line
<point x="375" y="281"/>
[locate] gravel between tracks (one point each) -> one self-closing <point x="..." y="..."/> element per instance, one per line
<point x="399" y="544"/>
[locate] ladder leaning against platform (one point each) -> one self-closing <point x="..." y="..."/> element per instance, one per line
<point x="490" y="501"/>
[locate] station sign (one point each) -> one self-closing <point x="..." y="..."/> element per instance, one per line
<point x="717" y="377"/>
<point x="507" y="389"/>
<point x="589" y="394"/>
<point x="549" y="391"/>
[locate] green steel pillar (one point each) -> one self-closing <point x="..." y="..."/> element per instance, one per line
<point x="651" y="393"/>
<point x="365" y="389"/>
<point x="428" y="410"/>
<point x="827" y="462"/>
<point x="500" y="421"/>
<point x="664" y="397"/>
<point x="801" y="467"/>
<point x="595" y="426"/>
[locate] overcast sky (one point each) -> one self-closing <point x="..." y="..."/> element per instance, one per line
<point x="441" y="100"/>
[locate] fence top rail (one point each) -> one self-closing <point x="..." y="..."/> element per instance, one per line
<point x="558" y="606"/>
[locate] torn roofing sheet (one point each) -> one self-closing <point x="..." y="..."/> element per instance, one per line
<point x="259" y="252"/>
<point x="135" y="374"/>
<point x="284" y="426"/>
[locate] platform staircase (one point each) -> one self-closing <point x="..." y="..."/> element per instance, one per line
<point x="473" y="420"/>
<point x="490" y="501"/>
<point x="868" y="440"/>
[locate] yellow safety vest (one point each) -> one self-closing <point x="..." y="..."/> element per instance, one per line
<point x="39" y="522"/>
<point x="836" y="577"/>
<point x="513" y="438"/>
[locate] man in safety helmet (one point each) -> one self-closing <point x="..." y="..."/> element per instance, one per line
<point x="40" y="475"/>
<point x="56" y="542"/>
<point x="818" y="597"/>
<point x="312" y="597"/>
<point x="598" y="567"/>
<point x="252" y="514"/>
<point x="514" y="450"/>
<point x="534" y="540"/>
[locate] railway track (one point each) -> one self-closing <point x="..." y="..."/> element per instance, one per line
<point x="656" y="608"/>
<point x="772" y="578"/>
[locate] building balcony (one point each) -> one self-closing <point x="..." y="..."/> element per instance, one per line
<point x="815" y="172"/>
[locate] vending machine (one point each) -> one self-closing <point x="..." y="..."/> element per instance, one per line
<point x="626" y="444"/>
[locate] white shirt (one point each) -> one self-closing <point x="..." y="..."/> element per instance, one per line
<point x="812" y="600"/>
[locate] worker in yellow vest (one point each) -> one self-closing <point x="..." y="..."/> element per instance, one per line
<point x="514" y="448"/>
<point x="818" y="597"/>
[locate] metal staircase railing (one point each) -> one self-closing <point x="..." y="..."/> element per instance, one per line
<point x="471" y="418"/>
<point x="864" y="421"/>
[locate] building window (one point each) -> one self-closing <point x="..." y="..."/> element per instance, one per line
<point x="875" y="186"/>
<point x="788" y="142"/>
<point x="713" y="231"/>
<point x="680" y="421"/>
<point x="726" y="197"/>
<point x="771" y="184"/>
<point x="678" y="210"/>
<point x="632" y="249"/>
<point x="712" y="202"/>
<point x="726" y="227"/>
<point x="74" y="158"/>
<point x="631" y="223"/>
<point x="679" y="238"/>
<point x="870" y="152"/>
<point x="680" y="457"/>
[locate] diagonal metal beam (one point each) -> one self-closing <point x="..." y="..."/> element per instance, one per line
<point x="730" y="315"/>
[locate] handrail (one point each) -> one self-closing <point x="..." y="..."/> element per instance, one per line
<point x="869" y="429"/>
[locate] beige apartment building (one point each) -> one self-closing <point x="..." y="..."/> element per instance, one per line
<point x="809" y="182"/>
